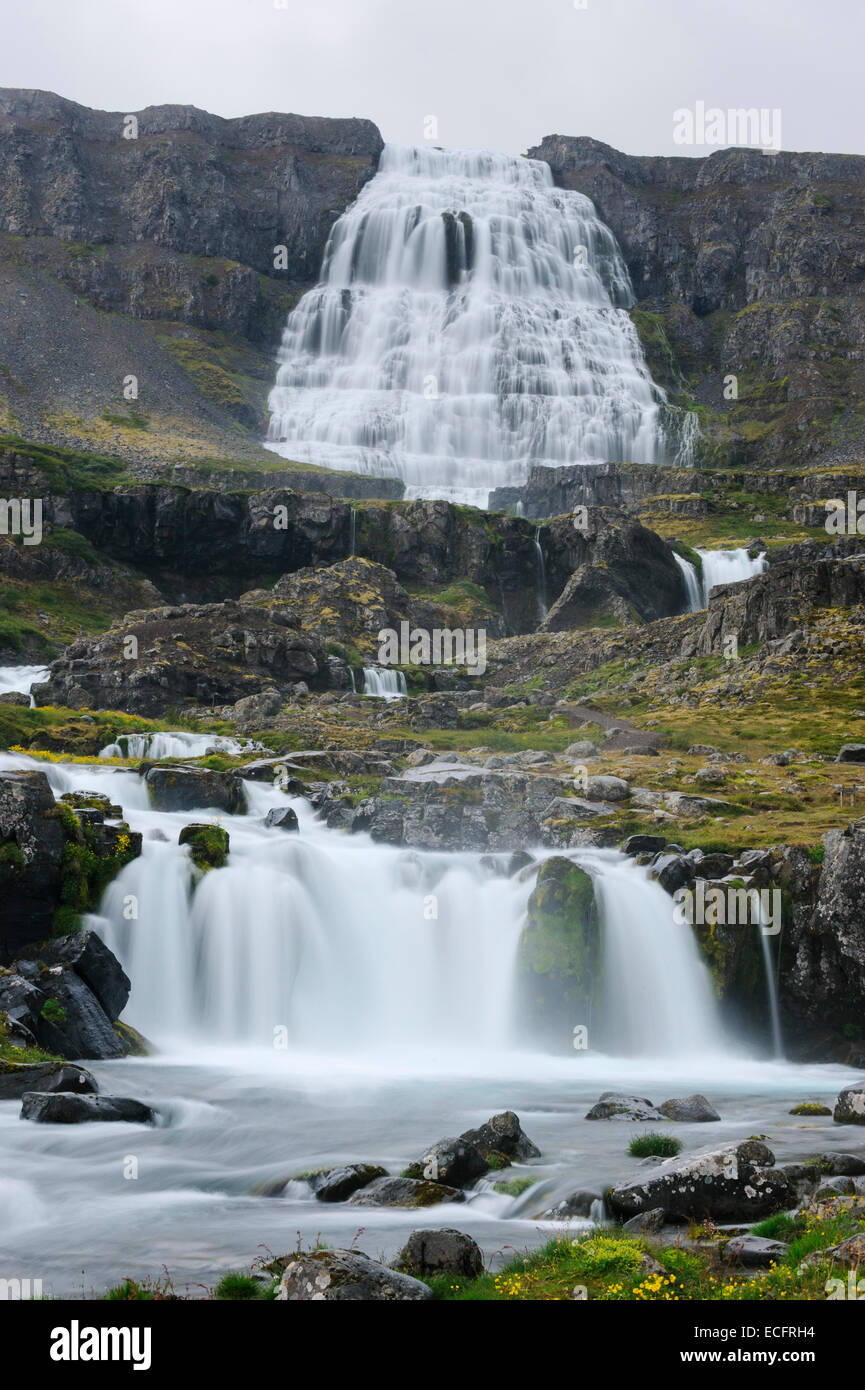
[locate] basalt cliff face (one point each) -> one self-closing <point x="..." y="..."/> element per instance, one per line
<point x="145" y="244"/>
<point x="746" y="265"/>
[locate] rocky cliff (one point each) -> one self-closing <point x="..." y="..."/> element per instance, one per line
<point x="154" y="256"/>
<point x="745" y="265"/>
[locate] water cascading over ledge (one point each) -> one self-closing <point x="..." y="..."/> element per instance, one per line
<point x="470" y="323"/>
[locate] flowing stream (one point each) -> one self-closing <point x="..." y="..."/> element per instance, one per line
<point x="324" y="999"/>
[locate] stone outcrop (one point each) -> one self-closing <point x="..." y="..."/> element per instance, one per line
<point x="171" y="218"/>
<point x="747" y="264"/>
<point x="347" y="1276"/>
<point x="735" y="1183"/>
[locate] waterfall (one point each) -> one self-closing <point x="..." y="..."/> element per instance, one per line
<point x="542" y="577"/>
<point x="19" y="679"/>
<point x="352" y="530"/>
<point x="658" y="998"/>
<point x="729" y="567"/>
<point x="384" y="683"/>
<point x="172" y="745"/>
<point x="346" y="945"/>
<point x="470" y="322"/>
<point x="693" y="587"/>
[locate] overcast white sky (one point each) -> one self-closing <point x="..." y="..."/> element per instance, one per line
<point x="497" y="73"/>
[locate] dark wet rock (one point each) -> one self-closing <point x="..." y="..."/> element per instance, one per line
<point x="347" y="1276"/>
<point x="693" y="1109"/>
<point x="644" y="844"/>
<point x="579" y="1204"/>
<point x="405" y="1192"/>
<point x="86" y="953"/>
<point x="850" y="1105"/>
<point x="502" y="1136"/>
<point x="441" y="1250"/>
<point x="734" y="1183"/>
<point x="612" y="1105"/>
<point x="754" y="1251"/>
<point x="31" y="858"/>
<point x="646" y="1222"/>
<point x="16" y="1078"/>
<point x="338" y="1184"/>
<point x="194" y="789"/>
<point x="70" y="1108"/>
<point x="454" y="1162"/>
<point x="672" y="871"/>
<point x="282" y="818"/>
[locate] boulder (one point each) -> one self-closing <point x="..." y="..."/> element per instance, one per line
<point x="612" y="1105"/>
<point x="454" y="1162"/>
<point x="646" y="1221"/>
<point x="734" y="1183"/>
<point x="253" y="710"/>
<point x="31" y="858"/>
<point x="502" y="1136"/>
<point x="672" y="871"/>
<point x="70" y="1108"/>
<point x="405" y="1192"/>
<point x="338" y="1184"/>
<point x="693" y="1109"/>
<point x="850" y="1105"/>
<point x="843" y="1165"/>
<point x="209" y="845"/>
<point x="754" y="1251"/>
<point x="559" y="953"/>
<point x="441" y="1250"/>
<point x="578" y="1204"/>
<point x="195" y="789"/>
<point x="347" y="1276"/>
<point x="606" y="788"/>
<point x="95" y="963"/>
<point x="644" y="844"/>
<point x="851" y="753"/>
<point x="282" y="818"/>
<point x="16" y="1078"/>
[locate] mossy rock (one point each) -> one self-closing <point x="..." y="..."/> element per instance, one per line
<point x="810" y="1107"/>
<point x="559" y="955"/>
<point x="209" y="845"/>
<point x="135" y="1044"/>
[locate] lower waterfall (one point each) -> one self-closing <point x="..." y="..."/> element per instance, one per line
<point x="333" y="943"/>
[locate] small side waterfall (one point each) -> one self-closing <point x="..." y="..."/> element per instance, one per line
<point x="172" y="745"/>
<point x="352" y="530"/>
<point x="693" y="587"/>
<point x="658" y="999"/>
<point x="729" y="567"/>
<point x="542" y="577"/>
<point x="19" y="679"/>
<point x="383" y="683"/>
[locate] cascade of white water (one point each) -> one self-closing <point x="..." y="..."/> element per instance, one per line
<point x="470" y="322"/>
<point x="172" y="745"/>
<point x="343" y="944"/>
<point x="693" y="588"/>
<point x="21" y="678"/>
<point x="658" y="999"/>
<point x="729" y="567"/>
<point x="384" y="683"/>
